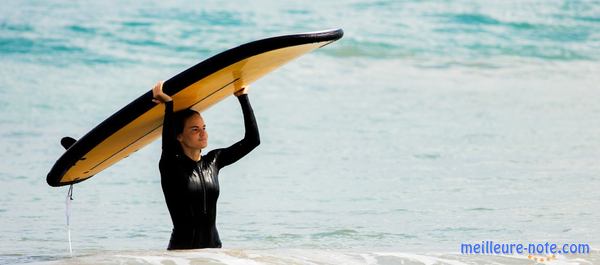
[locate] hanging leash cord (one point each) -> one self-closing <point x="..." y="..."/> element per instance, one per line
<point x="68" y="214"/>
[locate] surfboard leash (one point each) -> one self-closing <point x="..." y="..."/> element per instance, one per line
<point x="68" y="214"/>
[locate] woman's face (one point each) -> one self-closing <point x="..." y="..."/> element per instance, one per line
<point x="194" y="133"/>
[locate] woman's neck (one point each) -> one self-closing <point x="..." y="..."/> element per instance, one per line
<point x="194" y="154"/>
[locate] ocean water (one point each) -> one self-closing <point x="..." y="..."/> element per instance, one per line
<point x="430" y="124"/>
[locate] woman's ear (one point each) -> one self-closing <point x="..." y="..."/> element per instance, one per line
<point x="179" y="137"/>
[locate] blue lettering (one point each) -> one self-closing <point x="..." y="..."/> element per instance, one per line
<point x="531" y="248"/>
<point x="490" y="247"/>
<point x="539" y="248"/>
<point x="573" y="248"/>
<point x="520" y="248"/>
<point x="553" y="248"/>
<point x="505" y="249"/>
<point x="466" y="248"/>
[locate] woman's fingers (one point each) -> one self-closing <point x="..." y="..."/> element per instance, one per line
<point x="157" y="88"/>
<point x="157" y="92"/>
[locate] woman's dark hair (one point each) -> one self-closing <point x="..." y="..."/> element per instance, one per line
<point x="180" y="117"/>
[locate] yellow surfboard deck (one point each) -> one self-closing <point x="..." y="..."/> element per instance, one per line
<point x="200" y="87"/>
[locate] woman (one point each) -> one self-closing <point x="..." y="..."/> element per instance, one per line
<point x="189" y="178"/>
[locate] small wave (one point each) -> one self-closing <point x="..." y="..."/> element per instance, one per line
<point x="475" y="19"/>
<point x="15" y="27"/>
<point x="480" y="209"/>
<point x="134" y="24"/>
<point x="298" y="12"/>
<point x="296" y="256"/>
<point x="336" y="233"/>
<point x="52" y="51"/>
<point x="31" y="259"/>
<point x="376" y="5"/>
<point x="506" y="32"/>
<point x="22" y="45"/>
<point x="79" y="29"/>
<point x="284" y="236"/>
<point x="213" y="18"/>
<point x="587" y="19"/>
<point x="471" y="19"/>
<point x="369" y="49"/>
<point x="470" y="54"/>
<point x="477" y="35"/>
<point x="458" y="229"/>
<point x="427" y="156"/>
<point x="347" y="234"/>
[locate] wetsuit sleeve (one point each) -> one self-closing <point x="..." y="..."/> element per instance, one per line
<point x="251" y="139"/>
<point x="169" y="141"/>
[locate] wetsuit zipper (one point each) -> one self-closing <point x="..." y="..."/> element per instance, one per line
<point x="203" y="183"/>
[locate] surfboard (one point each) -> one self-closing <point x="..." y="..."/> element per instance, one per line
<point x="199" y="87"/>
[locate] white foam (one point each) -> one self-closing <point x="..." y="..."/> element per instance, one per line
<point x="308" y="257"/>
<point x="369" y="259"/>
<point x="158" y="260"/>
<point x="426" y="260"/>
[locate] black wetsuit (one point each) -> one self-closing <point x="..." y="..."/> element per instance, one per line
<point x="191" y="188"/>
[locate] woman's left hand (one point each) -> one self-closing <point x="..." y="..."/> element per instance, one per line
<point x="158" y="95"/>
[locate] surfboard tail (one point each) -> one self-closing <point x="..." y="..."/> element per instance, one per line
<point x="67" y="142"/>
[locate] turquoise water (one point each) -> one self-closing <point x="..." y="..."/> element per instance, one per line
<point x="430" y="124"/>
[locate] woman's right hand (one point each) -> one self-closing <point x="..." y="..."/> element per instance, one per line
<point x="159" y="95"/>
